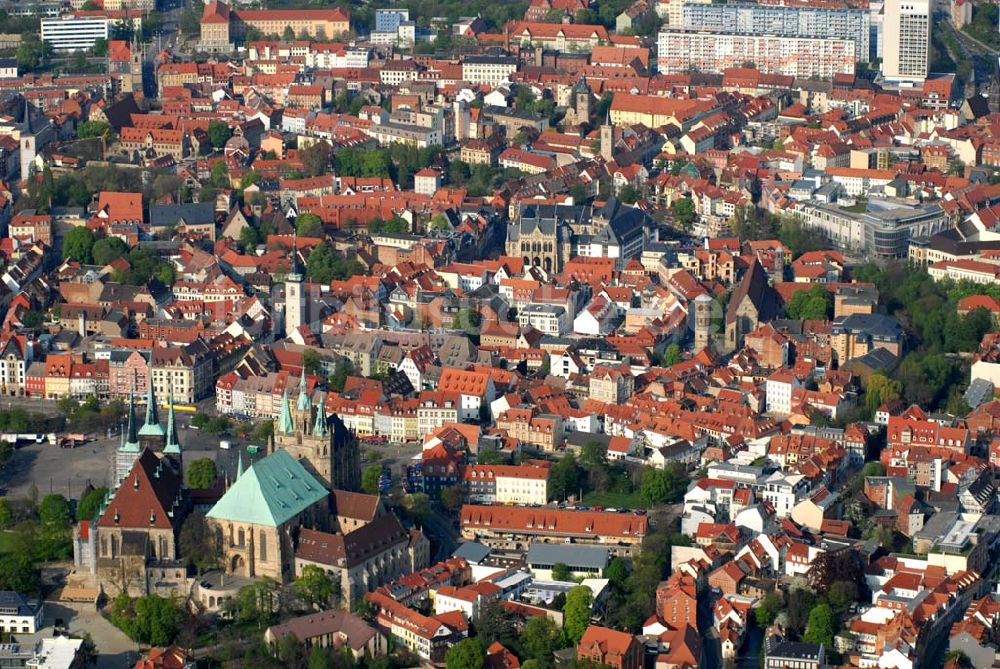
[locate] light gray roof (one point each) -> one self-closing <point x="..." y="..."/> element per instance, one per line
<point x="590" y="557"/>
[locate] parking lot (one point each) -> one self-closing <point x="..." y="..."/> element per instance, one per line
<point x="67" y="471"/>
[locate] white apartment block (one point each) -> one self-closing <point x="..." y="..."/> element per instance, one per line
<point x="907" y="36"/>
<point x="800" y="57"/>
<point x="488" y="69"/>
<point x="69" y="33"/>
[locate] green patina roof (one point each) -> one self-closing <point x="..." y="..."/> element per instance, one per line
<point x="303" y="404"/>
<point x="270" y="492"/>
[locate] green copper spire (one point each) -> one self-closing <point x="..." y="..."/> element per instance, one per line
<point x="285" y="418"/>
<point x="152" y="427"/>
<point x="320" y="428"/>
<point x="239" y="464"/>
<point x="303" y="404"/>
<point x="171" y="446"/>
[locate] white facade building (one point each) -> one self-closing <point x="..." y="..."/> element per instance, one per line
<point x="71" y="33"/>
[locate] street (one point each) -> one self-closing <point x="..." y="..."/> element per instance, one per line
<point x="711" y="649"/>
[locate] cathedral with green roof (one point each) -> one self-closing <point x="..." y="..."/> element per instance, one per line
<point x="257" y="517"/>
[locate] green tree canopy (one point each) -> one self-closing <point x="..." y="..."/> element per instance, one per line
<point x="579" y="604"/>
<point x="370" y="477"/>
<point x="219" y="133"/>
<point x="78" y="244"/>
<point x="202" y="473"/>
<point x="466" y="654"/>
<point x="315" y="586"/>
<point x="308" y="224"/>
<point x="561" y="572"/>
<point x="821" y="626"/>
<point x="107" y="249"/>
<point x="150" y="619"/>
<point x="90" y="504"/>
<point x="199" y="544"/>
<point x="816" y="303"/>
<point x="684" y="212"/>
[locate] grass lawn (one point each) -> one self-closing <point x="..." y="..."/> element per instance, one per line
<point x="615" y="500"/>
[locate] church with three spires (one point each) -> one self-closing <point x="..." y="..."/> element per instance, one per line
<point x="132" y="543"/>
<point x="311" y="468"/>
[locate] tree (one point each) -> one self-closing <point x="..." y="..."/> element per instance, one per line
<point x="18" y="572"/>
<point x="54" y="541"/>
<point x="539" y="639"/>
<point x="78" y="245"/>
<point x="322" y="263"/>
<point x="671" y="356"/>
<point x="417" y="505"/>
<point x="841" y="595"/>
<point x="308" y="224"/>
<point x="813" y="304"/>
<point x="579" y="603"/>
<point x="199" y="543"/>
<point x="288" y="34"/>
<point x="316" y="158"/>
<point x="617" y="572"/>
<point x="320" y="658"/>
<point x="92" y="129"/>
<point x="257" y="602"/>
<point x="495" y="623"/>
<point x="219" y="133"/>
<point x="466" y="654"/>
<point x="315" y="586"/>
<point x="202" y="473"/>
<point x="370" y="478"/>
<point x="341" y="371"/>
<point x="32" y="52"/>
<point x="829" y="567"/>
<point x="249" y="178"/>
<point x="452" y="497"/>
<point x="684" y="212"/>
<point x="654" y="489"/>
<point x="90" y="504"/>
<point x="564" y="477"/>
<point x="820" y="628"/>
<point x="100" y="47"/>
<point x="769" y="608"/>
<point x="107" y="249"/>
<point x="150" y="619"/>
<point x="880" y="389"/>
<point x="561" y="572"/>
<point x="219" y="175"/>
<point x="6" y="516"/>
<point x="593" y="453"/>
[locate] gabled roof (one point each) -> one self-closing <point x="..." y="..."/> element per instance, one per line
<point x="270" y="493"/>
<point x="145" y="498"/>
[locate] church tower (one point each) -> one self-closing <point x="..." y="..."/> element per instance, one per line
<point x="323" y="443"/>
<point x="151" y="435"/>
<point x="295" y="299"/>
<point x="172" y="447"/>
<point x="582" y="102"/>
<point x="607" y="140"/>
<point x="129" y="448"/>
